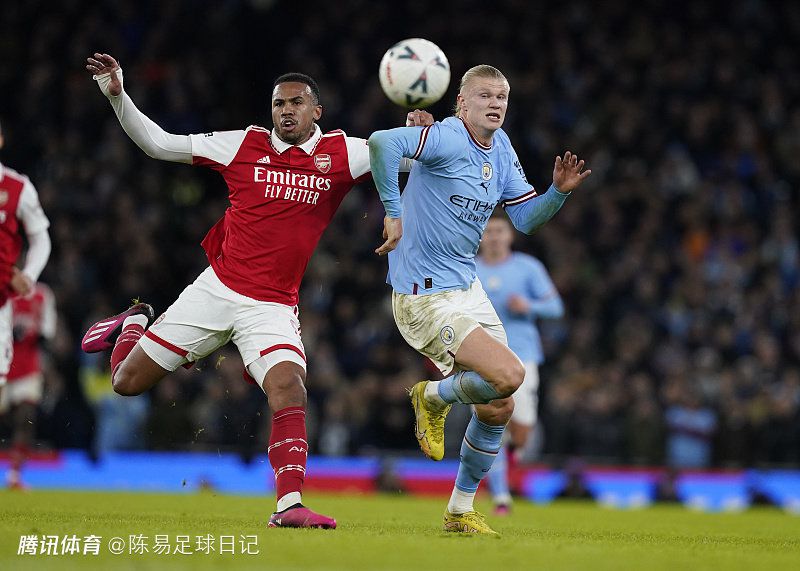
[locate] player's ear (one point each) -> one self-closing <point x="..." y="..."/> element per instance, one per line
<point x="460" y="101"/>
<point x="317" y="112"/>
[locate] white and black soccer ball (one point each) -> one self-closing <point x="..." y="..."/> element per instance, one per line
<point x="414" y="73"/>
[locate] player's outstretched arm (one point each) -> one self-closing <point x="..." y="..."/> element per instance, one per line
<point x="528" y="215"/>
<point x="151" y="138"/>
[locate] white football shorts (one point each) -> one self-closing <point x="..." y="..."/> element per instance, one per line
<point x="526" y="397"/>
<point x="208" y="314"/>
<point x="6" y="341"/>
<point x="24" y="389"/>
<point x="436" y="324"/>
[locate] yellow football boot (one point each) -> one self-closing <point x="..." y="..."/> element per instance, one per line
<point x="428" y="423"/>
<point x="469" y="522"/>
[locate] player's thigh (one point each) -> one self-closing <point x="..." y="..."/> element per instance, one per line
<point x="484" y="354"/>
<point x="434" y="324"/>
<point x="194" y="326"/>
<point x="268" y="334"/>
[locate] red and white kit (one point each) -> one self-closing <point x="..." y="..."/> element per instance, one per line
<point x="282" y="198"/>
<point x="19" y="210"/>
<point x="34" y="319"/>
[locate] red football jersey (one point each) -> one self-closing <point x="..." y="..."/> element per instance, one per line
<point x="282" y="198"/>
<point x="34" y="317"/>
<point x="11" y="185"/>
<point x="19" y="207"/>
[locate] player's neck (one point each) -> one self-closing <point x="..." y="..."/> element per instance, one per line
<point x="483" y="136"/>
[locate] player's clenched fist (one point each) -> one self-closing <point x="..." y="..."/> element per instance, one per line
<point x="101" y="64"/>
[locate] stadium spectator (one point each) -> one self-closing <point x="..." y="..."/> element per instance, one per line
<point x="687" y="233"/>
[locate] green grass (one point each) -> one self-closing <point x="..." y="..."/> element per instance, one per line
<point x="402" y="533"/>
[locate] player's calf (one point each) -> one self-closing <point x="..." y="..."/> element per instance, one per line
<point x="136" y="373"/>
<point x="496" y="413"/>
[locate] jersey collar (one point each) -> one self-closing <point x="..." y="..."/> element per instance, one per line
<point x="307" y="147"/>
<point x="474" y="140"/>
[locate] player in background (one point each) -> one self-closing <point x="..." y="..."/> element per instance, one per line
<point x="34" y="321"/>
<point x="19" y="211"/>
<point x="284" y="185"/>
<point x="465" y="166"/>
<point x="521" y="292"/>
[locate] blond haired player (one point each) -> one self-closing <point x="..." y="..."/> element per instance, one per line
<point x="465" y="166"/>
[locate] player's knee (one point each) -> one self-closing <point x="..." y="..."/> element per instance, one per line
<point x="285" y="387"/>
<point x="510" y="378"/>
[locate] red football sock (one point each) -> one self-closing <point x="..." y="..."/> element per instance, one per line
<point x="288" y="450"/>
<point x="125" y="342"/>
<point x="19" y="452"/>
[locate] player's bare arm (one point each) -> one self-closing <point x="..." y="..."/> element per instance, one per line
<point x="101" y="64"/>
<point x="568" y="173"/>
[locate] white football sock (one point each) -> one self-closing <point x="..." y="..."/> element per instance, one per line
<point x="460" y="502"/>
<point x="289" y="500"/>
<point x="137" y="319"/>
<point x="431" y="394"/>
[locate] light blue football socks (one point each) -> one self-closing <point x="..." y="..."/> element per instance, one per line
<point x="481" y="444"/>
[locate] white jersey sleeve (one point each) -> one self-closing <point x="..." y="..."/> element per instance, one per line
<point x="358" y="155"/>
<point x="151" y="138"/>
<point x="216" y="149"/>
<point x="29" y="211"/>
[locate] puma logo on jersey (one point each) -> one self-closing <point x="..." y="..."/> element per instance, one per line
<point x="297" y="449"/>
<point x="263" y="160"/>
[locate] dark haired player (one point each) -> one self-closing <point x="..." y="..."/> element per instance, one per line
<point x="284" y="187"/>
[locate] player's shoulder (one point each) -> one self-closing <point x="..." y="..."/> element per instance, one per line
<point x="13" y="175"/>
<point x="523" y="259"/>
<point x="502" y="139"/>
<point x="336" y="133"/>
<point x="451" y="131"/>
<point x="452" y="125"/>
<point x="252" y="131"/>
<point x="257" y="128"/>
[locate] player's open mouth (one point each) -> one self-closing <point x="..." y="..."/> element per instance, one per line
<point x="495" y="116"/>
<point x="288" y="124"/>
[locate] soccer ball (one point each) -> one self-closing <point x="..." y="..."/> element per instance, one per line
<point x="414" y="73"/>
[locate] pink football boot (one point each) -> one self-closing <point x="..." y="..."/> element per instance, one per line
<point x="104" y="333"/>
<point x="300" y="516"/>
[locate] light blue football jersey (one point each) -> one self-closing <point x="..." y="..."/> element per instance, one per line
<point x="523" y="275"/>
<point x="454" y="185"/>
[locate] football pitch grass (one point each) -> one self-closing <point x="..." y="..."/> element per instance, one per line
<point x="397" y="532"/>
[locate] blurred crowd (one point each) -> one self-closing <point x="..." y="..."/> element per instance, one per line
<point x="678" y="261"/>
